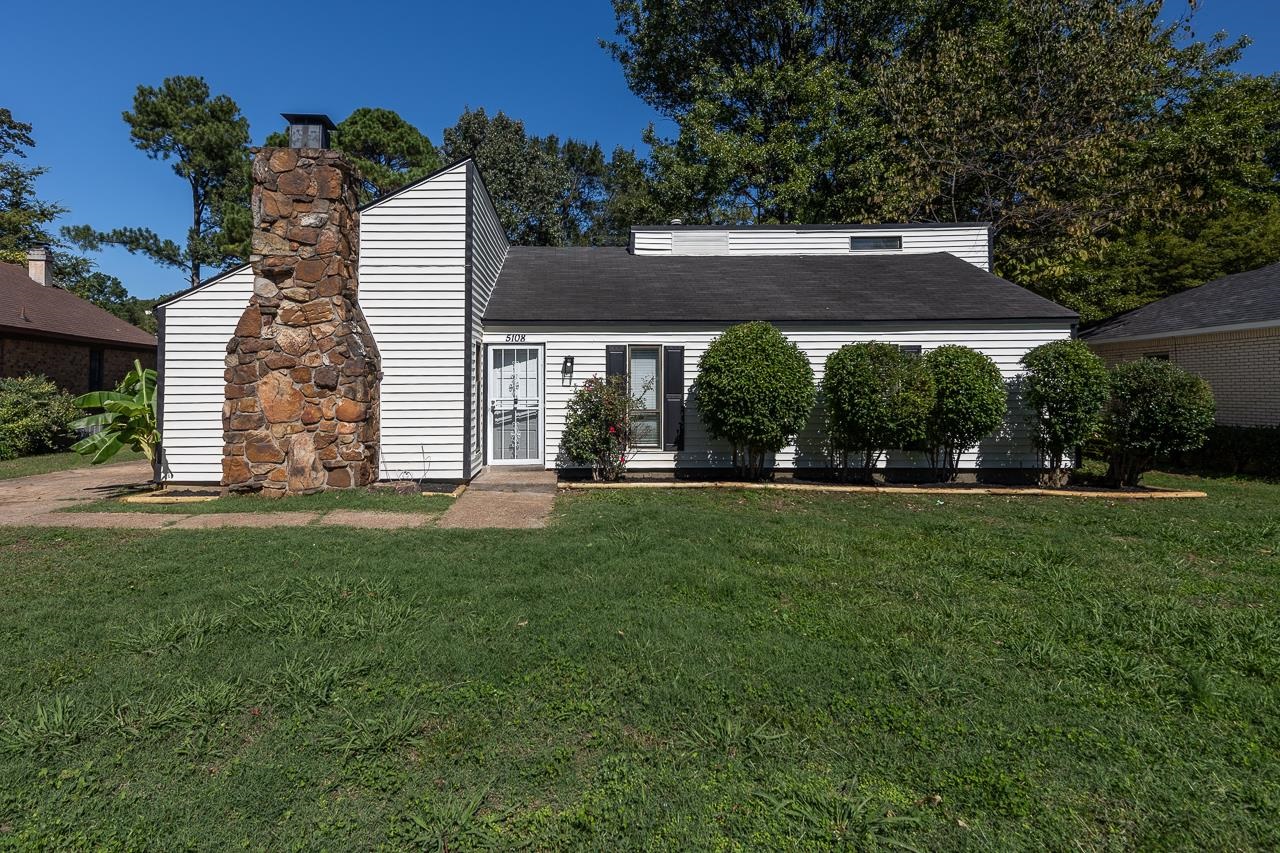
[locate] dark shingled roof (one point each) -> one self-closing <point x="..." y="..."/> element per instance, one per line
<point x="1247" y="297"/>
<point x="603" y="284"/>
<point x="28" y="308"/>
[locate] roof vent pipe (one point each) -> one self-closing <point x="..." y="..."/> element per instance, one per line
<point x="676" y="222"/>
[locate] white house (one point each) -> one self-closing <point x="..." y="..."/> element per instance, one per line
<point x="482" y="343"/>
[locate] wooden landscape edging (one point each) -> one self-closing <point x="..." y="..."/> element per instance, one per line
<point x="1011" y="491"/>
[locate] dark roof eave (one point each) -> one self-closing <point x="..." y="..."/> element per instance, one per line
<point x="720" y="321"/>
<point x="20" y="331"/>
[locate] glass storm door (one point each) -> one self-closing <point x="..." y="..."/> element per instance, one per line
<point x="515" y="405"/>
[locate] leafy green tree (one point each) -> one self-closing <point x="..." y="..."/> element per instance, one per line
<point x="581" y="204"/>
<point x="525" y="176"/>
<point x="1065" y="388"/>
<point x="25" y="221"/>
<point x="877" y="398"/>
<point x="1156" y="408"/>
<point x="207" y="138"/>
<point x="777" y="113"/>
<point x="1223" y="142"/>
<point x="755" y="390"/>
<point x="24" y="218"/>
<point x="1075" y="127"/>
<point x="628" y="198"/>
<point x="969" y="404"/>
<point x="1039" y="120"/>
<point x="388" y="150"/>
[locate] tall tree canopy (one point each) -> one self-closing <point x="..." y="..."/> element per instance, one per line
<point x="207" y="138"/>
<point x="1073" y="125"/>
<point x="547" y="193"/>
<point x="24" y="218"/>
<point x="25" y="221"/>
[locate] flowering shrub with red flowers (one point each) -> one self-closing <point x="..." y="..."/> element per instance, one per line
<point x="597" y="428"/>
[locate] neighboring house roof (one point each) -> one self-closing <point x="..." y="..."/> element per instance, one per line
<point x="539" y="284"/>
<point x="1244" y="300"/>
<point x="30" y="308"/>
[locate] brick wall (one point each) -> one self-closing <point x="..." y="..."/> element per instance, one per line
<point x="1243" y="369"/>
<point x="67" y="363"/>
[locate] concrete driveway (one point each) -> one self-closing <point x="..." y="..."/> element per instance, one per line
<point x="29" y="500"/>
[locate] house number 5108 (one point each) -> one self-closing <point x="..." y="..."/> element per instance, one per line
<point x="515" y="339"/>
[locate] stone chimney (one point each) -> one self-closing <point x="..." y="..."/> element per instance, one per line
<point x="301" y="406"/>
<point x="40" y="265"/>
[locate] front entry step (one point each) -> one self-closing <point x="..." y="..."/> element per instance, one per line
<point x="504" y="497"/>
<point x="523" y="478"/>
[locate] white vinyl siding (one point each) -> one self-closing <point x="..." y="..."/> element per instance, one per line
<point x="967" y="242"/>
<point x="194" y="351"/>
<point x="1005" y="344"/>
<point x="412" y="291"/>
<point x="488" y="253"/>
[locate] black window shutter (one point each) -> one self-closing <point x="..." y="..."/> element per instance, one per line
<point x="615" y="360"/>
<point x="673" y="398"/>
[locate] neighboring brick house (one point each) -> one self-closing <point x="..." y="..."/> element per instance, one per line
<point x="50" y="331"/>
<point x="1226" y="331"/>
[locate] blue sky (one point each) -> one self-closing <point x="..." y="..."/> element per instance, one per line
<point x="73" y="68"/>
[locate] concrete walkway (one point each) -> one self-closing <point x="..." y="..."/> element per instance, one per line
<point x="511" y="497"/>
<point x="516" y="497"/>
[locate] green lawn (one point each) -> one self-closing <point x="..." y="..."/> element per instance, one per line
<point x="25" y="466"/>
<point x="667" y="670"/>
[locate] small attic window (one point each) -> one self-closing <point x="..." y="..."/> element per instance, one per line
<point x="876" y="244"/>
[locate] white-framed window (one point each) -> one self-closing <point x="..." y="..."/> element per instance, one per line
<point x="887" y="243"/>
<point x="644" y="366"/>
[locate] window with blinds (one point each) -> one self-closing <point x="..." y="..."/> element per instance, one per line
<point x="644" y="391"/>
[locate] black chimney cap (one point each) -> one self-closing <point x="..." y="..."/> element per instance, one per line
<point x="308" y="130"/>
<point x="310" y="118"/>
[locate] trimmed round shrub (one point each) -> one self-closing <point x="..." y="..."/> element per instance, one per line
<point x="1065" y="388"/>
<point x="34" y="414"/>
<point x="877" y="398"/>
<point x="1156" y="408"/>
<point x="754" y="389"/>
<point x="969" y="404"/>
<point x="597" y="428"/>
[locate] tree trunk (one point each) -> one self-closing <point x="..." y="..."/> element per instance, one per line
<point x="194" y="238"/>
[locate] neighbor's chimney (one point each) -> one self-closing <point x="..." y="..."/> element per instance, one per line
<point x="300" y="411"/>
<point x="40" y="264"/>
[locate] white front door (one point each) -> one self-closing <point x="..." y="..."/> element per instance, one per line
<point x="515" y="405"/>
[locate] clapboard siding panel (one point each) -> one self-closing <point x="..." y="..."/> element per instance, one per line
<point x="194" y="347"/>
<point x="968" y="242"/>
<point x="421" y="433"/>
<point x="412" y="291"/>
<point x="1005" y="345"/>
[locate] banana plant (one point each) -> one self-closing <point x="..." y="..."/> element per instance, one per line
<point x="125" y="417"/>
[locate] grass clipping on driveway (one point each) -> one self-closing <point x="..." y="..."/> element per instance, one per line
<point x="670" y="670"/>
